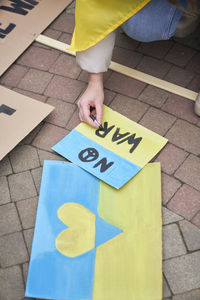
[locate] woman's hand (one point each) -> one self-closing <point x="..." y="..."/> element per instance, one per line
<point x="93" y="97"/>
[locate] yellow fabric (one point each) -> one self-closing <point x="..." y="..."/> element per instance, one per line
<point x="97" y="18"/>
<point x="129" y="267"/>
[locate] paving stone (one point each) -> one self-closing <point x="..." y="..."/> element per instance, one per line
<point x="12" y="250"/>
<point x="25" y="271"/>
<point x="70" y="8"/>
<point x="171" y="158"/>
<point x="83" y="76"/>
<point x="108" y="96"/>
<point x="37" y="174"/>
<point x="38" y="58"/>
<point x="124" y="85"/>
<point x="48" y="136"/>
<point x="74" y="121"/>
<point x="157" y="49"/>
<point x="62" y="112"/>
<point x="194" y="64"/>
<point x="5" y="166"/>
<point x="192" y="295"/>
<point x="13" y="76"/>
<point x="66" y="66"/>
<point x="28" y="235"/>
<point x="12" y="287"/>
<point x="191" y="235"/>
<point x="4" y="194"/>
<point x="189" y="171"/>
<point x="157" y="120"/>
<point x="186" y="202"/>
<point x="172" y="242"/>
<point x="196" y="220"/>
<point x="179" y="76"/>
<point x="45" y="155"/>
<point x="154" y="66"/>
<point x="130" y="108"/>
<point x="182" y="273"/>
<point x="166" y="290"/>
<point x="126" y="57"/>
<point x="35" y="81"/>
<point x="65" y="38"/>
<point x="54" y="34"/>
<point x="66" y="89"/>
<point x="186" y="136"/>
<point x="169" y="217"/>
<point x="154" y="96"/>
<point x="9" y="219"/>
<point x="169" y="187"/>
<point x="24" y="158"/>
<point x="181" y="107"/>
<point x="21" y="186"/>
<point x="64" y="23"/>
<point x="194" y="85"/>
<point x="179" y="55"/>
<point x="27" y="211"/>
<point x="122" y="40"/>
<point x="35" y="96"/>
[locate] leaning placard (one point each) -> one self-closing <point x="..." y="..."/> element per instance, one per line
<point x="115" y="153"/>
<point x="21" y="21"/>
<point x="19" y="114"/>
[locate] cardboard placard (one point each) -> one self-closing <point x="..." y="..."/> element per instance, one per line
<point x="19" y="114"/>
<point x="21" y="21"/>
<point x="94" y="242"/>
<point x="115" y="153"/>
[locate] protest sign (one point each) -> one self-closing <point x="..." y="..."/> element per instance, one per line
<point x="114" y="153"/>
<point x="19" y="115"/>
<point x="94" y="242"/>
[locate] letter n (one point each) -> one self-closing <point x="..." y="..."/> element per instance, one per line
<point x="104" y="165"/>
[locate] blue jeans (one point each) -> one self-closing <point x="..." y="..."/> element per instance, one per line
<point x="156" y="21"/>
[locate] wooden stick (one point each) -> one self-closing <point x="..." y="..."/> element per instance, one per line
<point x="160" y="83"/>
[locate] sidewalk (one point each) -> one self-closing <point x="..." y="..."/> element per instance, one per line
<point x="53" y="77"/>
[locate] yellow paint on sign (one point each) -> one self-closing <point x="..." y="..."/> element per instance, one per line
<point x="150" y="144"/>
<point x="80" y="236"/>
<point x="130" y="265"/>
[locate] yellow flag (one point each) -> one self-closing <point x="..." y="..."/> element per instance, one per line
<point x="95" y="19"/>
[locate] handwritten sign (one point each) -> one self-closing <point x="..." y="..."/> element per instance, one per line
<point x="19" y="115"/>
<point x="86" y="247"/>
<point x="17" y="7"/>
<point x="21" y="21"/>
<point x="115" y="153"/>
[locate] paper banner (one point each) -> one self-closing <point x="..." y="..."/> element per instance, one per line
<point x="113" y="154"/>
<point x="19" y="115"/>
<point x="21" y="22"/>
<point x="93" y="242"/>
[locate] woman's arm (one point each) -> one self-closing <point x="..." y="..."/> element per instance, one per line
<point x="92" y="97"/>
<point x="95" y="61"/>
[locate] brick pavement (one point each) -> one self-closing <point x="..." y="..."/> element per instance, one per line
<point x="50" y="76"/>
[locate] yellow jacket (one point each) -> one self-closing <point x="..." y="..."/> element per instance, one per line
<point x="95" y="19"/>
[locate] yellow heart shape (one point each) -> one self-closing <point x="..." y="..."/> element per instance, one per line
<point x="80" y="236"/>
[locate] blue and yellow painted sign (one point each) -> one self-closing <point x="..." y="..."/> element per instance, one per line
<point x="115" y="153"/>
<point x="88" y="248"/>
